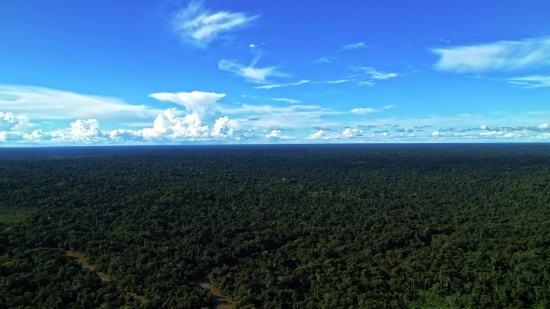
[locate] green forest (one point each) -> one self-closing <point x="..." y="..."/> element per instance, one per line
<point x="300" y="226"/>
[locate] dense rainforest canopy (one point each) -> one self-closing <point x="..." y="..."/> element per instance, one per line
<point x="303" y="226"/>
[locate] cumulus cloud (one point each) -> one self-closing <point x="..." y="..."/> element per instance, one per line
<point x="9" y="122"/>
<point x="169" y="127"/>
<point x="81" y="131"/>
<point x="529" y="82"/>
<point x="317" y="135"/>
<point x="352" y="46"/>
<point x="276" y="135"/>
<point x="198" y="26"/>
<point x="363" y="111"/>
<point x="196" y="102"/>
<point x="45" y="103"/>
<point x="350" y="133"/>
<point x="501" y="55"/>
<point x="303" y="81"/>
<point x="250" y="72"/>
<point x="84" y="131"/>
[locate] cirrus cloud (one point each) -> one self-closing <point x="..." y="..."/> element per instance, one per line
<point x="501" y="55"/>
<point x="250" y="72"/>
<point x="198" y="26"/>
<point x="45" y="103"/>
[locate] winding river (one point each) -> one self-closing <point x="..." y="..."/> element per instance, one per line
<point x="82" y="260"/>
<point x="222" y="302"/>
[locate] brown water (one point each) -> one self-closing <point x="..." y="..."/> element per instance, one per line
<point x="82" y="260"/>
<point x="222" y="302"/>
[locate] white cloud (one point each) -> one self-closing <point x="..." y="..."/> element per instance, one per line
<point x="338" y="81"/>
<point x="322" y="60"/>
<point x="501" y="55"/>
<point x="85" y="131"/>
<point x="169" y="127"/>
<point x="45" y="103"/>
<point x="529" y="82"/>
<point x="250" y="73"/>
<point x="352" y="46"/>
<point x="543" y="136"/>
<point x="292" y="101"/>
<point x="367" y="83"/>
<point x="374" y="74"/>
<point x="196" y="102"/>
<point x="317" y="135"/>
<point x="544" y="126"/>
<point x="255" y="45"/>
<point x="198" y="26"/>
<point x="274" y="134"/>
<point x="296" y="115"/>
<point x="81" y="131"/>
<point x="350" y="133"/>
<point x="368" y="110"/>
<point x="221" y="128"/>
<point x="363" y="111"/>
<point x="9" y="122"/>
<point x="303" y="81"/>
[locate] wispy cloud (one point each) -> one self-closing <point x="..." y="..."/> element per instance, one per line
<point x="529" y="82"/>
<point x="368" y="110"/>
<point x="366" y="83"/>
<point x="374" y="74"/>
<point x="352" y="46"/>
<point x="501" y="55"/>
<point x="46" y="103"/>
<point x="303" y="81"/>
<point x="338" y="81"/>
<point x="250" y="72"/>
<point x="198" y="26"/>
<point x="293" y="101"/>
<point x="322" y="60"/>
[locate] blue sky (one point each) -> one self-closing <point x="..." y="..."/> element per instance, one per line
<point x="178" y="72"/>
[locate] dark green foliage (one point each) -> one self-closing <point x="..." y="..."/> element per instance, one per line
<point x="396" y="226"/>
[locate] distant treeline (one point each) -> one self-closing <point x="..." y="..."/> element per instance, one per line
<point x="342" y="226"/>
